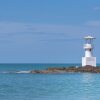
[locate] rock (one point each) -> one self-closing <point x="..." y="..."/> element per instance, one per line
<point x="84" y="69"/>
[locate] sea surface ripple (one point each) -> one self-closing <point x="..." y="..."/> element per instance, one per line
<point x="69" y="86"/>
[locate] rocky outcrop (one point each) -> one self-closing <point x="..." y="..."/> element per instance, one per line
<point x="84" y="69"/>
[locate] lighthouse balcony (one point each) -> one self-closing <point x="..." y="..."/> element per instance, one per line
<point x="88" y="46"/>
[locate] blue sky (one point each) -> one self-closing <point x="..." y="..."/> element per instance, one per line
<point x="47" y="31"/>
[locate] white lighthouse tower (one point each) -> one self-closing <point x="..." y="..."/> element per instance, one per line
<point x="88" y="46"/>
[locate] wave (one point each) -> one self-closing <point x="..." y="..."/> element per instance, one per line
<point x="14" y="72"/>
<point x="23" y="72"/>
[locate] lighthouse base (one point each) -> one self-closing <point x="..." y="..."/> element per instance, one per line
<point x="89" y="61"/>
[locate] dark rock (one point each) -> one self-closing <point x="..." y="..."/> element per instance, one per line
<point x="84" y="69"/>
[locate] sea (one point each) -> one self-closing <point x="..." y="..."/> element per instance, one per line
<point x="16" y="83"/>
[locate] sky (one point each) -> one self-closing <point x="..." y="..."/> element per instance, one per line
<point x="47" y="31"/>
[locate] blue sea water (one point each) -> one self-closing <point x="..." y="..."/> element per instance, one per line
<point x="69" y="86"/>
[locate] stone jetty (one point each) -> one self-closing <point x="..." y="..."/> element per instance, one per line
<point x="72" y="69"/>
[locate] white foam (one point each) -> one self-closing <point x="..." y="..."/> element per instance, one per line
<point x="14" y="72"/>
<point x="22" y="72"/>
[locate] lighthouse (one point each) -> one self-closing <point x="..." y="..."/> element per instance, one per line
<point x="88" y="59"/>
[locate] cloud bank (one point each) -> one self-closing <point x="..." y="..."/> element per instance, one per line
<point x="18" y="28"/>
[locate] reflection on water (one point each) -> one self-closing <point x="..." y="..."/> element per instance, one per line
<point x="89" y="86"/>
<point x="87" y="78"/>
